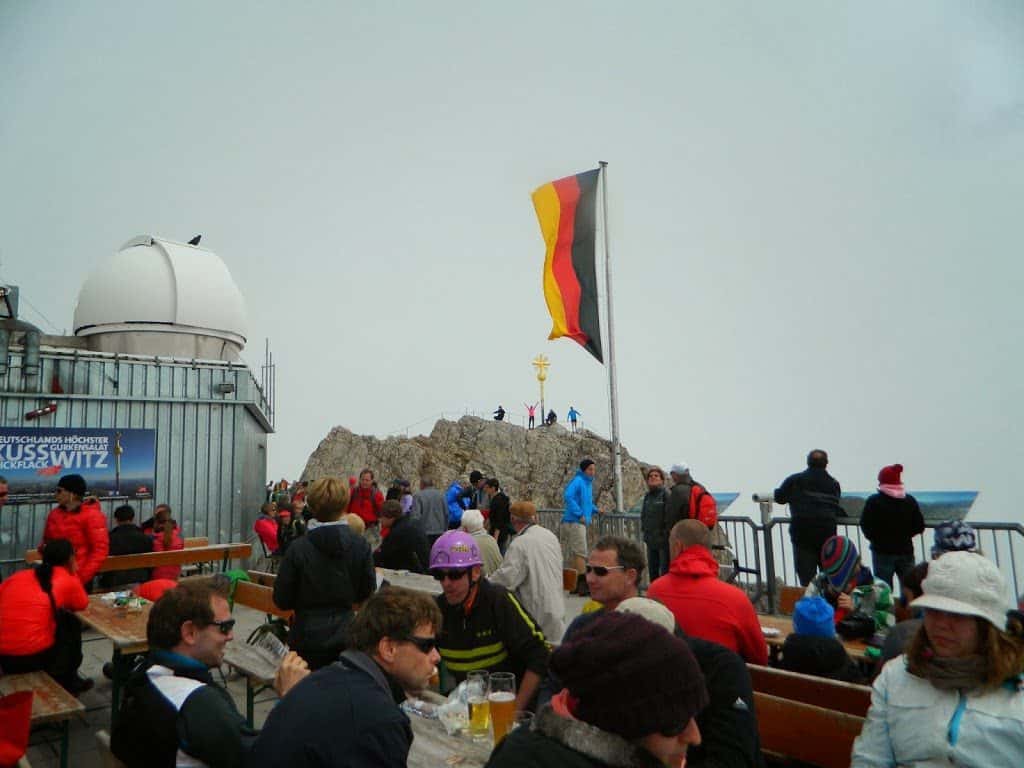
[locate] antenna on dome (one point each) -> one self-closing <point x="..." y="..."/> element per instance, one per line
<point x="195" y="240"/>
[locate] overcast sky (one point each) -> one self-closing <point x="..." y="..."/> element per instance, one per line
<point x="815" y="211"/>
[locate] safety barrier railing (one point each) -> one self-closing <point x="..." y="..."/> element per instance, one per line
<point x="763" y="551"/>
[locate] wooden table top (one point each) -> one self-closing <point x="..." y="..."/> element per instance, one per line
<point x="51" y="703"/>
<point x="125" y="629"/>
<point x="857" y="649"/>
<point x="433" y="747"/>
<point x="421" y="582"/>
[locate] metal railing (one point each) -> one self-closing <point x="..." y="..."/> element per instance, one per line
<point x="764" y="549"/>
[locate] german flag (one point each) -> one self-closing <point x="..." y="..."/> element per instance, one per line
<point x="566" y="212"/>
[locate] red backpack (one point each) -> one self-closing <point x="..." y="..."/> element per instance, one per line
<point x="702" y="506"/>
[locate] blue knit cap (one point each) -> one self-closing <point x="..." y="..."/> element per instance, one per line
<point x="838" y="556"/>
<point x="814" y="616"/>
<point x="954" y="536"/>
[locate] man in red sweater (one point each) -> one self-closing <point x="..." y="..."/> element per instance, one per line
<point x="83" y="523"/>
<point x="703" y="605"/>
<point x="366" y="501"/>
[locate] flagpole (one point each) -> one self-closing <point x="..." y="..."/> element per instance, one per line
<point x="613" y="388"/>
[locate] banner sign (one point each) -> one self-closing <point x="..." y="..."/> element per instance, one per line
<point x="114" y="462"/>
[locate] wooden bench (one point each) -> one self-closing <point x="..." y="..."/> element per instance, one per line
<point x="262" y="577"/>
<point x="260" y="598"/>
<point x="196" y="541"/>
<point x="211" y="553"/>
<point x="788" y="597"/>
<point x="794" y="730"/>
<point x="50" y="703"/>
<point x="832" y="694"/>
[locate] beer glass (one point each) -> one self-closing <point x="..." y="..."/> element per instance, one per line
<point x="502" y="699"/>
<point x="477" y="688"/>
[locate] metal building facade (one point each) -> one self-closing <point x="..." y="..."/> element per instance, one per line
<point x="211" y="419"/>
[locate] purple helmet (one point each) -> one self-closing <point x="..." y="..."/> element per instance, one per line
<point x="455" y="549"/>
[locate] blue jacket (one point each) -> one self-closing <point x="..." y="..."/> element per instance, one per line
<point x="457" y="503"/>
<point x="579" y="499"/>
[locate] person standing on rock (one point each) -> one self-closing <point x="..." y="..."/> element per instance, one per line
<point x="579" y="510"/>
<point x="429" y="509"/>
<point x="499" y="414"/>
<point x="531" y="414"/>
<point x="573" y="415"/>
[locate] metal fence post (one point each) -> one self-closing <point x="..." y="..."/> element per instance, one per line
<point x="767" y="524"/>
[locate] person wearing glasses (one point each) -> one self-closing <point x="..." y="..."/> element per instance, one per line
<point x="348" y="714"/>
<point x="727" y="724"/>
<point x="173" y="713"/>
<point x="485" y="627"/>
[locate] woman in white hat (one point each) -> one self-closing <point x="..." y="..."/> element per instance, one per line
<point x="957" y="696"/>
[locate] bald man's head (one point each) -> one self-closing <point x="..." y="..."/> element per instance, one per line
<point x="687" y="533"/>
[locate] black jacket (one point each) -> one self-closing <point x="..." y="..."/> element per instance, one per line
<point x="160" y="715"/>
<point x="819" y="656"/>
<point x="404" y="548"/>
<point x="498" y="635"/>
<point x="345" y="715"/>
<point x="891" y="524"/>
<point x="500" y="518"/>
<point x="813" y="498"/>
<point x="126" y="540"/>
<point x="728" y="724"/>
<point x="558" y="742"/>
<point x="321" y="575"/>
<point x="654" y="517"/>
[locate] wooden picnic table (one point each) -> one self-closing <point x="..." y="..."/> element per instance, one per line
<point x="50" y="703"/>
<point x="857" y="649"/>
<point x="126" y="630"/>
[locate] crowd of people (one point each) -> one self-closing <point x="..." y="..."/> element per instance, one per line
<point x="642" y="677"/>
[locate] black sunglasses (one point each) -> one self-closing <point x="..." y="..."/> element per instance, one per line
<point x="600" y="570"/>
<point x="424" y="644"/>
<point x="225" y="626"/>
<point x="450" y="575"/>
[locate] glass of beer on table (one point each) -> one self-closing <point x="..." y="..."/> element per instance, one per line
<point x="477" y="688"/>
<point x="502" y="699"/>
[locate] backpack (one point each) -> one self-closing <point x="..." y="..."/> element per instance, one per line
<point x="702" y="506"/>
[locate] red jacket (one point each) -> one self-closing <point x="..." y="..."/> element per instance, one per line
<point x="86" y="529"/>
<point x="366" y="504"/>
<point x="266" y="528"/>
<point x="167" y="571"/>
<point x="708" y="608"/>
<point x="27" y="624"/>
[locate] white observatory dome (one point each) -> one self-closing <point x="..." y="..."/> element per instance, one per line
<point x="159" y="297"/>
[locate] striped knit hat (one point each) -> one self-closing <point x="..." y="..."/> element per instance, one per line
<point x="838" y="558"/>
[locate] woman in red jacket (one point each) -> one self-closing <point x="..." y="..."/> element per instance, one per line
<point x="82" y="523"/>
<point x="36" y="632"/>
<point x="167" y="537"/>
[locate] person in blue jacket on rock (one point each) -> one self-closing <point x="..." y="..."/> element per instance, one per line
<point x="459" y="498"/>
<point x="579" y="510"/>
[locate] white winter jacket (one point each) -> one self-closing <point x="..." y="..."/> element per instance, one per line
<point x="913" y="723"/>
<point x="533" y="570"/>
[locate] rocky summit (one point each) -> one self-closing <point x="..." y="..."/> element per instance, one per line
<point x="530" y="464"/>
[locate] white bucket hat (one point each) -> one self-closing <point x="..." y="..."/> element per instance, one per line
<point x="651" y="610"/>
<point x="679" y="469"/>
<point x="968" y="584"/>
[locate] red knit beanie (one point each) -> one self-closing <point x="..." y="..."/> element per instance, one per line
<point x="629" y="676"/>
<point x="891" y="475"/>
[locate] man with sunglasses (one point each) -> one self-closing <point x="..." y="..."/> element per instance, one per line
<point x="173" y="713"/>
<point x="727" y="724"/>
<point x="485" y="627"/>
<point x="347" y="714"/>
